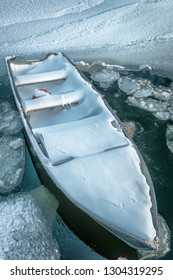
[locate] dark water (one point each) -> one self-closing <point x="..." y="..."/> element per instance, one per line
<point x="151" y="141"/>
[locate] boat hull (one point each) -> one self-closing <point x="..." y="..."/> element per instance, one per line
<point x="51" y="180"/>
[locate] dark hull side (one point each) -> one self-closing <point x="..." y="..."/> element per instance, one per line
<point x="87" y="229"/>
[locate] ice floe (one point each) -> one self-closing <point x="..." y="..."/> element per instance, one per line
<point x="105" y="77"/>
<point x="169" y="137"/>
<point x="162" y="93"/>
<point x="10" y="121"/>
<point x="25" y="233"/>
<point x="164" y="116"/>
<point x="148" y="104"/>
<point x="128" y="85"/>
<point x="143" y="92"/>
<point x="12" y="162"/>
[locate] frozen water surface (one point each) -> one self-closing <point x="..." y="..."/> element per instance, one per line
<point x="24" y="232"/>
<point x="12" y="162"/>
<point x="10" y="121"/>
<point x="111" y="31"/>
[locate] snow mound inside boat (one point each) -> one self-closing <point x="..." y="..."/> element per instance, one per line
<point x="91" y="183"/>
<point x="89" y="136"/>
<point x="25" y="234"/>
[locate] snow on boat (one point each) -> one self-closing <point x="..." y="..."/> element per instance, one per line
<point x="83" y="148"/>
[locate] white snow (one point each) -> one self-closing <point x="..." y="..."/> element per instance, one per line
<point x="24" y="232"/>
<point x="89" y="136"/>
<point x="12" y="162"/>
<point x="126" y="32"/>
<point x="10" y="121"/>
<point x="80" y="179"/>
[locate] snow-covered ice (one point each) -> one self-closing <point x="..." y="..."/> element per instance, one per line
<point x="162" y="93"/>
<point x="162" y="115"/>
<point x="12" y="162"/>
<point x="10" y="121"/>
<point x="24" y="232"/>
<point x="126" y="32"/>
<point x="149" y="104"/>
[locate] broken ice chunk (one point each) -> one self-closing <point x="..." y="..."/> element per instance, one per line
<point x="105" y="77"/>
<point x="162" y="93"/>
<point x="164" y="116"/>
<point x="10" y="121"/>
<point x="169" y="137"/>
<point x="143" y="92"/>
<point x="148" y="104"/>
<point x="25" y="233"/>
<point x="128" y="85"/>
<point x="12" y="161"/>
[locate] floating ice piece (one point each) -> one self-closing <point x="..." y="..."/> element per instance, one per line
<point x="145" y="67"/>
<point x="10" y="121"/>
<point x="164" y="116"/>
<point x="162" y="93"/>
<point x="129" y="127"/>
<point x="98" y="66"/>
<point x="105" y="77"/>
<point x="148" y="104"/>
<point x="169" y="137"/>
<point x="171" y="107"/>
<point x="24" y="232"/>
<point x="12" y="161"/>
<point x="128" y="85"/>
<point x="143" y="92"/>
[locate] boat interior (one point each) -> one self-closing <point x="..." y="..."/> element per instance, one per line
<point x="64" y="108"/>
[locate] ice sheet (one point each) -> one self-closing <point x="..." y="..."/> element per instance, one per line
<point x="127" y="32"/>
<point x="25" y="234"/>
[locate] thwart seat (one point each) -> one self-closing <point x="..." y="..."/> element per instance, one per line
<point x="28" y="79"/>
<point x="49" y="101"/>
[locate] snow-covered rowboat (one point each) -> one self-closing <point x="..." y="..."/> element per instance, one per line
<point x="83" y="148"/>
